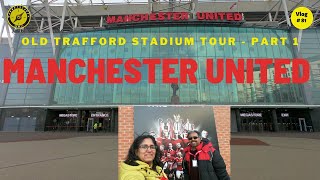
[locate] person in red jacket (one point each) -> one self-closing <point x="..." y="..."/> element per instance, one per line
<point x="169" y="166"/>
<point x="178" y="149"/>
<point x="179" y="161"/>
<point x="202" y="161"/>
<point x="171" y="150"/>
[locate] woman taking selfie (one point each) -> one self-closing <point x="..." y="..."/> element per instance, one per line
<point x="143" y="161"/>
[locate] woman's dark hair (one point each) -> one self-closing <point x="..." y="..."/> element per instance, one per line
<point x="132" y="157"/>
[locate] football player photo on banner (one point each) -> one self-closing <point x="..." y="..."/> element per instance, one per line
<point x="170" y="126"/>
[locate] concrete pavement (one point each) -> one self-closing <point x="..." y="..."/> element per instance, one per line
<point x="293" y="158"/>
<point x="35" y="136"/>
<point x="74" y="158"/>
<point x="94" y="156"/>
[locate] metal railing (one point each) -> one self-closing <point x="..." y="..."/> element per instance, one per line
<point x="121" y="2"/>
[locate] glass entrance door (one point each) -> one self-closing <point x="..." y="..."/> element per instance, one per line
<point x="255" y="125"/>
<point x="302" y="124"/>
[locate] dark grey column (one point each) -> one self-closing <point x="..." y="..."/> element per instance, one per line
<point x="238" y="120"/>
<point x="78" y="123"/>
<point x="116" y="120"/>
<point x="281" y="128"/>
<point x="112" y="121"/>
<point x="274" y="120"/>
<point x="1" y="120"/>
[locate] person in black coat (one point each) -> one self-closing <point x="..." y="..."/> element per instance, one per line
<point x="202" y="161"/>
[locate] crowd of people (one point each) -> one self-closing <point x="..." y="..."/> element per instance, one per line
<point x="172" y="158"/>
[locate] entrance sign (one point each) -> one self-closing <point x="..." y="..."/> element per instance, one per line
<point x="100" y="115"/>
<point x="68" y="115"/>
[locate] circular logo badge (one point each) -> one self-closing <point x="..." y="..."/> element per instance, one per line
<point x="302" y="18"/>
<point x="18" y="17"/>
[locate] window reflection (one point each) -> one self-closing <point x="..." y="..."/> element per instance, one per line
<point x="202" y="92"/>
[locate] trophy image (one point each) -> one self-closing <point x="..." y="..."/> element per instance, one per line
<point x="188" y="126"/>
<point x="165" y="128"/>
<point x="177" y="126"/>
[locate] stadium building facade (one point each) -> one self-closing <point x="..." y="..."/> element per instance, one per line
<point x="255" y="106"/>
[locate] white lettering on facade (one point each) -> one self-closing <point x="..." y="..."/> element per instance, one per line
<point x="68" y="115"/>
<point x="251" y="114"/>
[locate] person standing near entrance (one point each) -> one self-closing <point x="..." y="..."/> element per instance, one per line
<point x="55" y="124"/>
<point x="100" y="126"/>
<point x="95" y="127"/>
<point x="202" y="161"/>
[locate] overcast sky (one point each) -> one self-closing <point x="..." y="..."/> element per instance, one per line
<point x="24" y="2"/>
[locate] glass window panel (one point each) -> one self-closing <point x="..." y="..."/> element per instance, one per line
<point x="36" y="96"/>
<point x="194" y="89"/>
<point x="203" y="91"/>
<point x="184" y="93"/>
<point x="144" y="95"/>
<point x="154" y="92"/>
<point x="15" y="96"/>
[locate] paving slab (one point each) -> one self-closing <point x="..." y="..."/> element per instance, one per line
<point x="285" y="158"/>
<point x="78" y="158"/>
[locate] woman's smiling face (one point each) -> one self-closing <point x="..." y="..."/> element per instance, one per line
<point x="146" y="151"/>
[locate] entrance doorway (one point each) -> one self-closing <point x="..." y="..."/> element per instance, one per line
<point x="302" y="124"/>
<point x="255" y="120"/>
<point x="288" y="124"/>
<point x="83" y="120"/>
<point x="99" y="121"/>
<point x="294" y="120"/>
<point x="256" y="125"/>
<point x="90" y="124"/>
